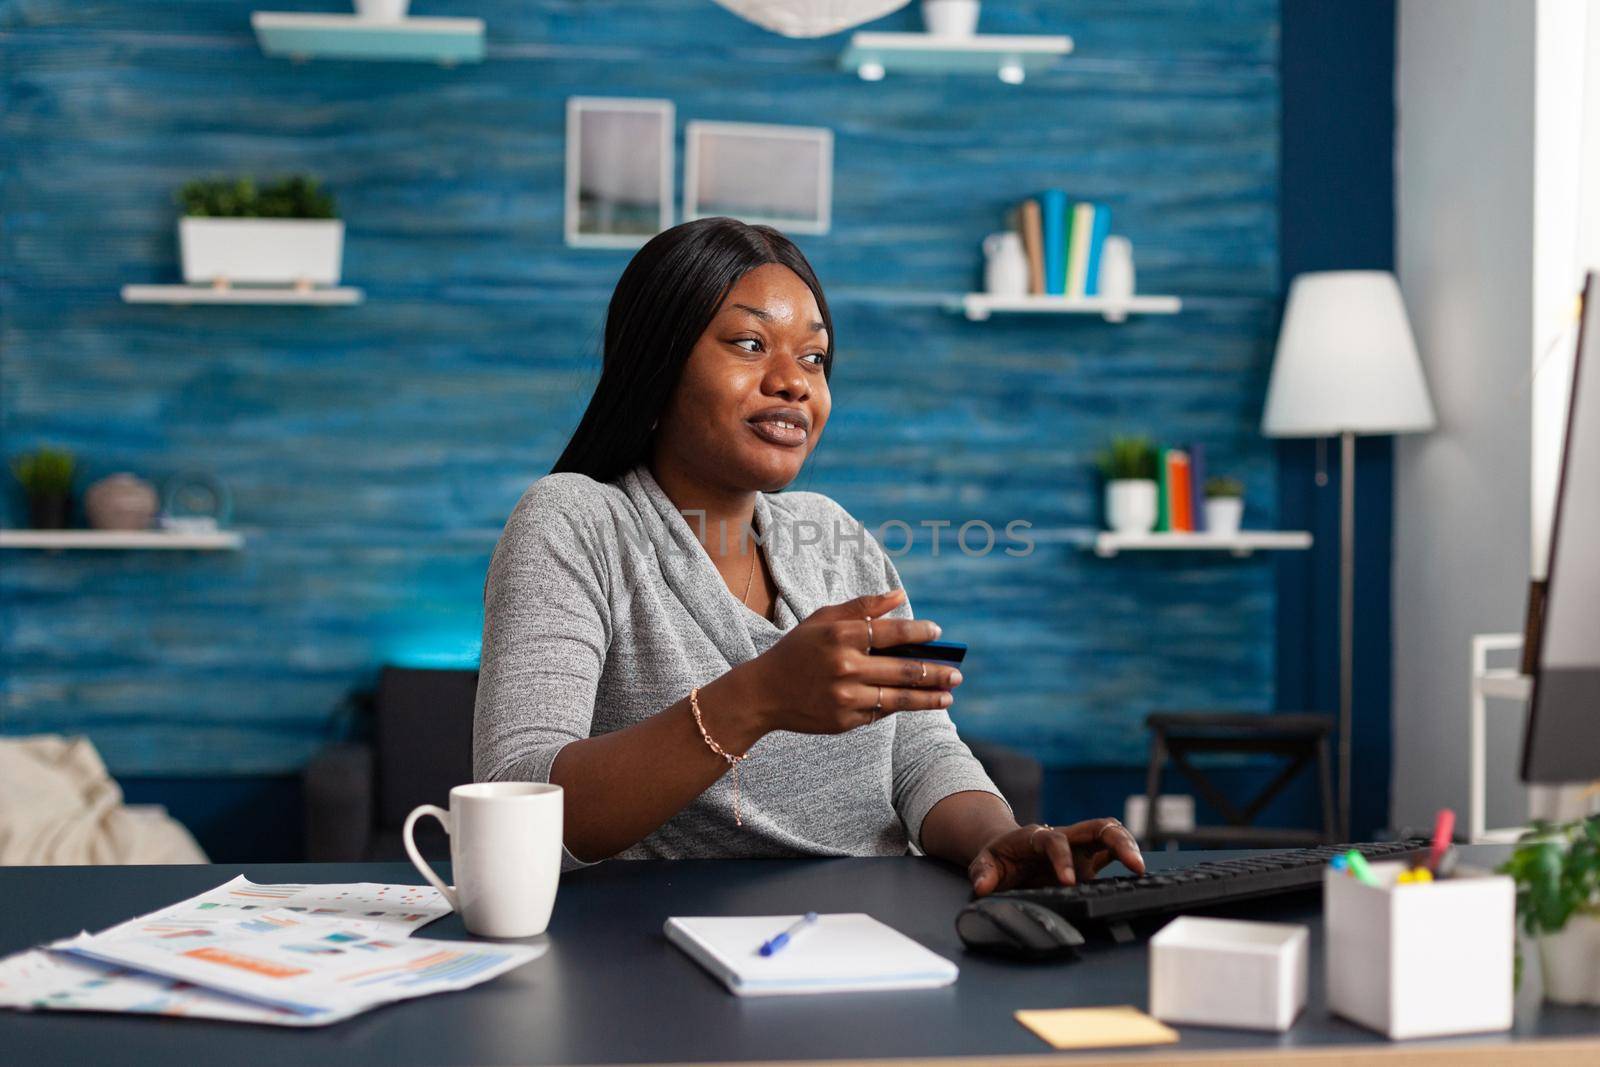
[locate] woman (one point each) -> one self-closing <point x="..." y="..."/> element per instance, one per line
<point x="638" y="645"/>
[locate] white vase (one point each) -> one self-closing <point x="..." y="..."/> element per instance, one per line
<point x="382" y="10"/>
<point x="1569" y="961"/>
<point x="261" y="251"/>
<point x="1223" y="514"/>
<point x="1131" y="505"/>
<point x="1005" y="265"/>
<point x="950" y="18"/>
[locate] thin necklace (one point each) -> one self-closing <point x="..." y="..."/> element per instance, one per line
<point x="745" y="600"/>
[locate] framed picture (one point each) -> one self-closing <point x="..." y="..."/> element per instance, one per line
<point x="619" y="171"/>
<point x="778" y="175"/>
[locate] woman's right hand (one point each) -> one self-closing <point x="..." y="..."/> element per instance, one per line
<point x="819" y="679"/>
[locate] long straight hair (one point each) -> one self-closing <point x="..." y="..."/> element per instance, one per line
<point x="662" y="304"/>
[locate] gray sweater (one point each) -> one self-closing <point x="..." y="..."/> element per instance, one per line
<point x="601" y="609"/>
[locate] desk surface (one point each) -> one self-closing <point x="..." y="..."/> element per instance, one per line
<point x="612" y="990"/>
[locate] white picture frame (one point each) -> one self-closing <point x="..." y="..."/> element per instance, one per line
<point x="619" y="171"/>
<point x="781" y="176"/>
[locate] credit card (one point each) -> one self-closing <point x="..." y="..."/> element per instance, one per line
<point x="941" y="651"/>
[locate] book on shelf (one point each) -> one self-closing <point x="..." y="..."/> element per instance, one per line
<point x="1180" y="513"/>
<point x="1197" y="485"/>
<point x="1078" y="248"/>
<point x="1098" y="229"/>
<point x="1063" y="240"/>
<point x="1033" y="245"/>
<point x="1054" y="209"/>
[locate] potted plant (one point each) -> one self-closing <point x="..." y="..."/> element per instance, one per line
<point x="283" y="233"/>
<point x="1557" y="870"/>
<point x="46" y="476"/>
<point x="1224" y="505"/>
<point x="1129" y="468"/>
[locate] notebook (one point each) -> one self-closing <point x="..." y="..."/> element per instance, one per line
<point x="837" y="954"/>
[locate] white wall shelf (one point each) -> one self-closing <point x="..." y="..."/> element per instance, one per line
<point x="979" y="306"/>
<point x="1108" y="543"/>
<point x="338" y="296"/>
<point x="1010" y="57"/>
<point x="212" y="541"/>
<point x="301" y="36"/>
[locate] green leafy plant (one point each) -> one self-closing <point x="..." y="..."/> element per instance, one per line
<point x="1128" y="457"/>
<point x="45" y="471"/>
<point x="297" y="197"/>
<point x="1221" y="488"/>
<point x="1556" y="867"/>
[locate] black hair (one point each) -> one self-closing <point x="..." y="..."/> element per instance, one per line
<point x="665" y="299"/>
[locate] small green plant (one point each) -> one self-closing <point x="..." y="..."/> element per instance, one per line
<point x="45" y="471"/>
<point x="1223" y="488"/>
<point x="1128" y="457"/>
<point x="1556" y="867"/>
<point x="297" y="197"/>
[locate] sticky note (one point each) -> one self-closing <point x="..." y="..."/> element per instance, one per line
<point x="1113" y="1027"/>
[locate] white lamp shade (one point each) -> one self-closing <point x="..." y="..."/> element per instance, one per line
<point x="810" y="18"/>
<point x="1346" y="360"/>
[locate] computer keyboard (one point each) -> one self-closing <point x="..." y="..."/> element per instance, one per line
<point x="1202" y="885"/>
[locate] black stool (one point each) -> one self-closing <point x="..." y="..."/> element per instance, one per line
<point x="1300" y="738"/>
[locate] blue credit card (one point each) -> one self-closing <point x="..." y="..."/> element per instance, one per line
<point x="941" y="651"/>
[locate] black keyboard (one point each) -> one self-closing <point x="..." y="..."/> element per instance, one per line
<point x="1203" y="885"/>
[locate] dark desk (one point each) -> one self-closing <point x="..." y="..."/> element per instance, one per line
<point x="611" y="990"/>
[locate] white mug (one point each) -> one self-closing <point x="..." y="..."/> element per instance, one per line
<point x="505" y="850"/>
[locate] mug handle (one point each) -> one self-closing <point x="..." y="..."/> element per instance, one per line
<point x="423" y="866"/>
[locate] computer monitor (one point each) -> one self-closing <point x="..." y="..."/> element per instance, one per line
<point x="1562" y="742"/>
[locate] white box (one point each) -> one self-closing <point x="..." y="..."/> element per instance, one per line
<point x="1421" y="960"/>
<point x="1223" y="972"/>
<point x="261" y="251"/>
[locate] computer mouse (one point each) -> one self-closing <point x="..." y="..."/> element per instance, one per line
<point x="1017" y="928"/>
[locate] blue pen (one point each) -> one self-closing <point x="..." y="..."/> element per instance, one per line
<point x="788" y="935"/>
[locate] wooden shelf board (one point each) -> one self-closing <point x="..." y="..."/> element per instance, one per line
<point x="979" y="306"/>
<point x="1108" y="543"/>
<point x="302" y="36"/>
<point x="214" y="541"/>
<point x="926" y="53"/>
<point x="241" y="294"/>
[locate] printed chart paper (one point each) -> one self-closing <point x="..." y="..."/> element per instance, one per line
<point x="304" y="963"/>
<point x="401" y="908"/>
<point x="55" y="981"/>
<point x="238" y="917"/>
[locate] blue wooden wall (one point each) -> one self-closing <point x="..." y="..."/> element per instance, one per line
<point x="373" y="452"/>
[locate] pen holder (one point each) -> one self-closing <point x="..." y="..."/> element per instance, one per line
<point x="1420" y="959"/>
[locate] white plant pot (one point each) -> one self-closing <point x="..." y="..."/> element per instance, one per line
<point x="1223" y="514"/>
<point x="382" y="10"/>
<point x="1570" y="961"/>
<point x="950" y="18"/>
<point x="261" y="251"/>
<point x="1131" y="505"/>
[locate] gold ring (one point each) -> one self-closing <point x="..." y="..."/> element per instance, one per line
<point x="1036" y="829"/>
<point x="924" y="677"/>
<point x="879" y="705"/>
<point x="869" y="633"/>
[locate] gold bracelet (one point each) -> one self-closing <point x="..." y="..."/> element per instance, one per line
<point x="733" y="761"/>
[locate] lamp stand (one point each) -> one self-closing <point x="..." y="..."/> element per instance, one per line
<point x="1347" y="594"/>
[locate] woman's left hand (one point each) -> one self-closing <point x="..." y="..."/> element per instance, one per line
<point x="1041" y="855"/>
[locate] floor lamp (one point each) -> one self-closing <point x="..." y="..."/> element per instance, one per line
<point x="1346" y="364"/>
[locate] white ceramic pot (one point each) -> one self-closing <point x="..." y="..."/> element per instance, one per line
<point x="120" y="502"/>
<point x="261" y="251"/>
<point x="1131" y="505"/>
<point x="382" y="10"/>
<point x="950" y="18"/>
<point x="1005" y="265"/>
<point x="1223" y="514"/>
<point x="1570" y="961"/>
